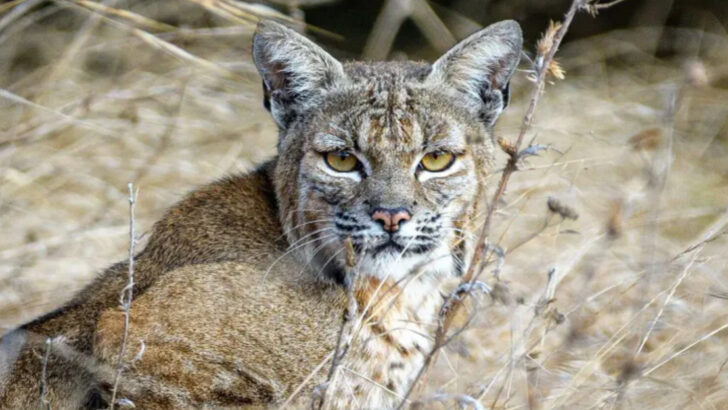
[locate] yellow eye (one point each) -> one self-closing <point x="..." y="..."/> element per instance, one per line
<point x="437" y="161"/>
<point x="341" y="161"/>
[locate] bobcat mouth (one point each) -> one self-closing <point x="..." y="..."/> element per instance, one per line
<point x="393" y="247"/>
<point x="389" y="246"/>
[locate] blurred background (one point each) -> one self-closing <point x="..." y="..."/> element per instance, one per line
<point x="94" y="95"/>
<point x="355" y="19"/>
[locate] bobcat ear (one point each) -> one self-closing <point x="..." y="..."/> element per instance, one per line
<point x="295" y="71"/>
<point x="480" y="67"/>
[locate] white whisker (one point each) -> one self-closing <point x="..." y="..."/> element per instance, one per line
<point x="291" y="250"/>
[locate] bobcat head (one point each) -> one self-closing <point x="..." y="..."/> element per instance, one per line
<point x="392" y="155"/>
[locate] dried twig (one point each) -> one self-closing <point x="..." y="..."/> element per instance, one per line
<point x="686" y="348"/>
<point x="463" y="400"/>
<point x="342" y="345"/>
<point x="157" y="42"/>
<point x="126" y="296"/>
<point x="18" y="9"/>
<point x="514" y="151"/>
<point x="555" y="207"/>
<point x="674" y="287"/>
<point x="542" y="62"/>
<point x="593" y="6"/>
<point x="128" y="15"/>
<point x="44" y="404"/>
<point x="713" y="232"/>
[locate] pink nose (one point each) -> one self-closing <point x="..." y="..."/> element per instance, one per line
<point x="391" y="218"/>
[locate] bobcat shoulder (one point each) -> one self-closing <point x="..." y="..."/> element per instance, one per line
<point x="242" y="287"/>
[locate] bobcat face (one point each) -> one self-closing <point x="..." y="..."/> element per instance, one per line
<point x="390" y="155"/>
<point x="394" y="174"/>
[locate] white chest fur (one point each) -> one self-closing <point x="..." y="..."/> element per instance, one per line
<point x="389" y="340"/>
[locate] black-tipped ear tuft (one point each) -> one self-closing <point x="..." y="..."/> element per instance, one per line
<point x="295" y="71"/>
<point x="480" y="68"/>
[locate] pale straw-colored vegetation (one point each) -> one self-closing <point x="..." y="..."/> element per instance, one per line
<point x="626" y="306"/>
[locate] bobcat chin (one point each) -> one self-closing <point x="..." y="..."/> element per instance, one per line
<point x="241" y="289"/>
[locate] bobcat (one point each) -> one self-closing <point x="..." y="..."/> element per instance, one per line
<point x="241" y="289"/>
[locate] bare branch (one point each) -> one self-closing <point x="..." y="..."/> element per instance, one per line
<point x="342" y="346"/>
<point x="542" y="63"/>
<point x="44" y="404"/>
<point x="126" y="296"/>
<point x="593" y="6"/>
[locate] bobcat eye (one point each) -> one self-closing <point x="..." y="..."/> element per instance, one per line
<point x="437" y="161"/>
<point x="341" y="161"/>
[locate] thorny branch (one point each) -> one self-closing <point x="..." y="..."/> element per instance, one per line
<point x="482" y="251"/>
<point x="126" y="296"/>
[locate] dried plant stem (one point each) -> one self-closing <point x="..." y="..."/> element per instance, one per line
<point x="342" y="347"/>
<point x="342" y="343"/>
<point x="18" y="9"/>
<point x="463" y="400"/>
<point x="686" y="348"/>
<point x="126" y="15"/>
<point x="454" y="302"/>
<point x="542" y="63"/>
<point x="44" y="404"/>
<point x="533" y="235"/>
<point x="157" y="42"/>
<point x="710" y="234"/>
<point x="669" y="296"/>
<point x="126" y="296"/>
<point x="600" y="6"/>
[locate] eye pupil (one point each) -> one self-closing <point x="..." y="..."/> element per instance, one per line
<point x="341" y="161"/>
<point x="437" y="161"/>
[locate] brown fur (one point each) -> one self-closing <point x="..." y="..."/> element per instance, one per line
<point x="231" y="220"/>
<point x="226" y="314"/>
<point x="217" y="331"/>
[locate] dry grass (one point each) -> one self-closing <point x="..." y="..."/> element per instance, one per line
<point x="634" y="313"/>
<point x="103" y="108"/>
